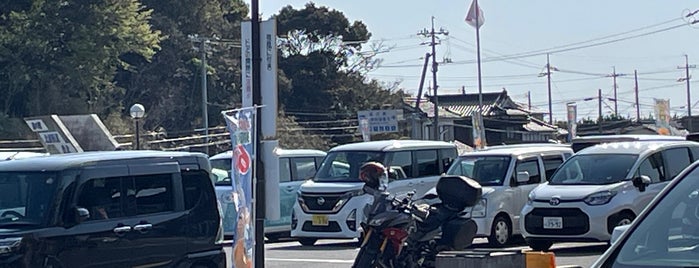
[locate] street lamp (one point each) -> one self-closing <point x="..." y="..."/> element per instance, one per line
<point x="137" y="112"/>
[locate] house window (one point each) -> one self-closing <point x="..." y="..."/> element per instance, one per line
<point x="510" y="132"/>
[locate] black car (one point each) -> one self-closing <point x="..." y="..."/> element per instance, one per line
<point x="110" y="209"/>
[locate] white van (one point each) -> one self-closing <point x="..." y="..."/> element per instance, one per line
<point x="331" y="205"/>
<point x="602" y="187"/>
<point x="507" y="173"/>
<point x="295" y="167"/>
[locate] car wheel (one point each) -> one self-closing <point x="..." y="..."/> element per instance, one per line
<point x="620" y="219"/>
<point x="272" y="238"/>
<point x="307" y="241"/>
<point x="500" y="232"/>
<point x="539" y="245"/>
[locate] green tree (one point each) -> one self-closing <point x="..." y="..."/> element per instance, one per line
<point x="321" y="58"/>
<point x="170" y="86"/>
<point x="61" y="57"/>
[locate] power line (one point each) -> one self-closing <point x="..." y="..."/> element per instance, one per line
<point x="552" y="51"/>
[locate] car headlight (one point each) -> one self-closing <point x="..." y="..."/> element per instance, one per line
<point x="530" y="198"/>
<point x="479" y="210"/>
<point x="599" y="198"/>
<point x="227" y="197"/>
<point x="346" y="197"/>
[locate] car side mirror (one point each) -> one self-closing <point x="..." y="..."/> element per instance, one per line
<point x="641" y="182"/>
<point x="77" y="215"/>
<point x="522" y="176"/>
<point x="396" y="173"/>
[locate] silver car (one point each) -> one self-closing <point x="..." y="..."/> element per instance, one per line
<point x="666" y="234"/>
<point x="602" y="187"/>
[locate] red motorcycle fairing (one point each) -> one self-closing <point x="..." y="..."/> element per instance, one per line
<point x="397" y="237"/>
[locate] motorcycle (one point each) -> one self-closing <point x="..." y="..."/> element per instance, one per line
<point x="402" y="232"/>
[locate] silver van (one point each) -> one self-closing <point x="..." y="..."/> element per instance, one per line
<point x="507" y="173"/>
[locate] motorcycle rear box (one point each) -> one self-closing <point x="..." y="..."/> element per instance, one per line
<point x="458" y="191"/>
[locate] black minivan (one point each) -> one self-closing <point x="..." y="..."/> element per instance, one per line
<point x="110" y="209"/>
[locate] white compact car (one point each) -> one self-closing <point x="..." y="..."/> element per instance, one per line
<point x="602" y="187"/>
<point x="507" y="173"/>
<point x="332" y="204"/>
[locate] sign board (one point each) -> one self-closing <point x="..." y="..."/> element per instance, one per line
<point x="381" y="121"/>
<point x="53" y="134"/>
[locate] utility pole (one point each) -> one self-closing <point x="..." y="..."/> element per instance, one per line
<point x="614" y="75"/>
<point x="635" y="89"/>
<point x="599" y="110"/>
<point x="529" y="100"/>
<point x="203" y="41"/>
<point x="548" y="78"/>
<point x="417" y="125"/>
<point x="259" y="179"/>
<point x="689" y="98"/>
<point x="432" y="34"/>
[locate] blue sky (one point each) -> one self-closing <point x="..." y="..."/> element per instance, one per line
<point x="516" y="27"/>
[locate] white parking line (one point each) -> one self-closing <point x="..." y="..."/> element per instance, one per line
<point x="310" y="260"/>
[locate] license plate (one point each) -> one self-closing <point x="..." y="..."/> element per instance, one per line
<point x="553" y="223"/>
<point x="320" y="220"/>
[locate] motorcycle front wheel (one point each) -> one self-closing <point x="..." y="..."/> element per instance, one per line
<point x="366" y="258"/>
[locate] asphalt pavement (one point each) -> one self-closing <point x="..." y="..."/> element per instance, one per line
<point x="341" y="253"/>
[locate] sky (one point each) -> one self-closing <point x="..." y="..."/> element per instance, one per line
<point x="585" y="40"/>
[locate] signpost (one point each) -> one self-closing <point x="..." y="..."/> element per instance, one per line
<point x="380" y="121"/>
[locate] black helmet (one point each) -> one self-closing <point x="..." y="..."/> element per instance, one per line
<point x="371" y="172"/>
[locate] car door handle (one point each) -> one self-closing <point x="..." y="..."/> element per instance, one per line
<point x="289" y="188"/>
<point x="411" y="183"/>
<point x="122" y="230"/>
<point x="143" y="227"/>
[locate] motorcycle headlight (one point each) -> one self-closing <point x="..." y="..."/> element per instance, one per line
<point x="479" y="210"/>
<point x="599" y="198"/>
<point x="377" y="221"/>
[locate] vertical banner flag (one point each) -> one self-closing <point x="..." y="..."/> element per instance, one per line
<point x="241" y="125"/>
<point x="246" y="62"/>
<point x="473" y="12"/>
<point x="662" y="116"/>
<point x="478" y="131"/>
<point x="572" y="120"/>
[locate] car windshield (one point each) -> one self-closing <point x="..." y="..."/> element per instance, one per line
<point x="222" y="163"/>
<point x="221" y="177"/>
<point x="343" y="166"/>
<point x="594" y="169"/>
<point x="26" y="198"/>
<point x="668" y="236"/>
<point x="486" y="170"/>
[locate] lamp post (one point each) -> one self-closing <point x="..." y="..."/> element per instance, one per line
<point x="137" y="112"/>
